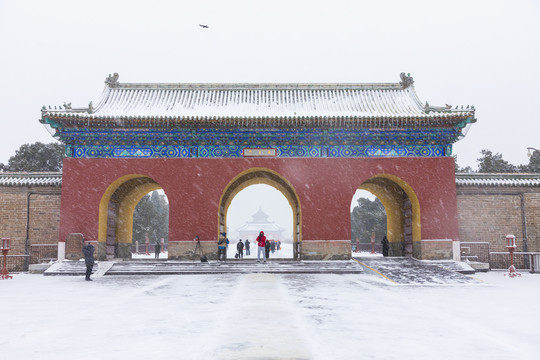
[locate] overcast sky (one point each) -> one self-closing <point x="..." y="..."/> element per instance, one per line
<point x="481" y="53"/>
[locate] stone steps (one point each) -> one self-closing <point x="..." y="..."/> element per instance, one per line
<point x="170" y="267"/>
<point x="415" y="272"/>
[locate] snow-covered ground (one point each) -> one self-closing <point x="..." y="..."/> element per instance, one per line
<point x="152" y="256"/>
<point x="264" y="316"/>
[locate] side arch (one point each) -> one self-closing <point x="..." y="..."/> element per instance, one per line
<point x="116" y="214"/>
<point x="254" y="176"/>
<point x="402" y="211"/>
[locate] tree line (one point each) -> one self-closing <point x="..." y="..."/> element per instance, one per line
<point x="494" y="163"/>
<point x="36" y="157"/>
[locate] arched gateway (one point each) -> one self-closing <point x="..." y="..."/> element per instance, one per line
<point x="203" y="143"/>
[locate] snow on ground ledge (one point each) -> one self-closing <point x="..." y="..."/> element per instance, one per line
<point x="264" y="316"/>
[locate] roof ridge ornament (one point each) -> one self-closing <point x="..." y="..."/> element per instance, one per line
<point x="406" y="80"/>
<point x="112" y="80"/>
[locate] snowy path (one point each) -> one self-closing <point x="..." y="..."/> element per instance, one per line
<point x="258" y="322"/>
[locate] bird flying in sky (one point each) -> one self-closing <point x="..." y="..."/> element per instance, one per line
<point x="204" y="26"/>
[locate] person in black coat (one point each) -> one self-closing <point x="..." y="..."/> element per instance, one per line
<point x="247" y="247"/>
<point x="88" y="251"/>
<point x="267" y="248"/>
<point x="157" y="249"/>
<point x="240" y="248"/>
<point x="385" y="246"/>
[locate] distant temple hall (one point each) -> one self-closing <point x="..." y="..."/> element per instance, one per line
<point x="259" y="222"/>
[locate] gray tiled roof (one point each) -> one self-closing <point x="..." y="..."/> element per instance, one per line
<point x="484" y="179"/>
<point x="176" y="102"/>
<point x="30" y="179"/>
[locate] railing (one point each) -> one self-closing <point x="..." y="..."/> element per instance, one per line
<point x="151" y="248"/>
<point x="535" y="262"/>
<point x="43" y="252"/>
<point x="522" y="261"/>
<point x="14" y="262"/>
<point x="366" y="247"/>
<point x="475" y="251"/>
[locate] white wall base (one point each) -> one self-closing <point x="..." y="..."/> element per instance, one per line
<point x="456" y="250"/>
<point x="61" y="250"/>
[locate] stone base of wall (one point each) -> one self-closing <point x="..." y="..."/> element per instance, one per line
<point x="395" y="249"/>
<point x="437" y="249"/>
<point x="185" y="250"/>
<point x="426" y="249"/>
<point x="417" y="250"/>
<point x="74" y="245"/>
<point x="101" y="251"/>
<point x="310" y="250"/>
<point x="326" y="250"/>
<point x="123" y="250"/>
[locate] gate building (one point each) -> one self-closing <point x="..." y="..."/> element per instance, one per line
<point x="315" y="143"/>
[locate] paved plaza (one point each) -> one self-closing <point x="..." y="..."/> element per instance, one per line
<point x="268" y="316"/>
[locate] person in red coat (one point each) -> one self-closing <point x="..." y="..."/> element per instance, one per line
<point x="261" y="241"/>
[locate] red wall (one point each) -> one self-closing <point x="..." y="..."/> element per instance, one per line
<point x="324" y="186"/>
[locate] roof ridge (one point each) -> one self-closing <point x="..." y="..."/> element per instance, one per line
<point x="494" y="175"/>
<point x="262" y="86"/>
<point x="30" y="173"/>
<point x="406" y="81"/>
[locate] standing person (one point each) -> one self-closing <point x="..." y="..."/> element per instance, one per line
<point x="267" y="249"/>
<point x="222" y="246"/>
<point x="261" y="241"/>
<point x="240" y="248"/>
<point x="197" y="245"/>
<point x="273" y="246"/>
<point x="157" y="249"/>
<point x="247" y="247"/>
<point x="385" y="246"/>
<point x="88" y="251"/>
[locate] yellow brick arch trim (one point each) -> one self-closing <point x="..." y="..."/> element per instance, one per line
<point x="257" y="176"/>
<point x="391" y="202"/>
<point x="394" y="216"/>
<point x="124" y="222"/>
<point x="124" y="227"/>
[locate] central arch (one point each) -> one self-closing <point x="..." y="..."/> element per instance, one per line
<point x="402" y="212"/>
<point x="269" y="177"/>
<point x="116" y="214"/>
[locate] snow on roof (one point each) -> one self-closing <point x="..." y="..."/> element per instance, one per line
<point x="499" y="179"/>
<point x="30" y="179"/>
<point x="206" y="101"/>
